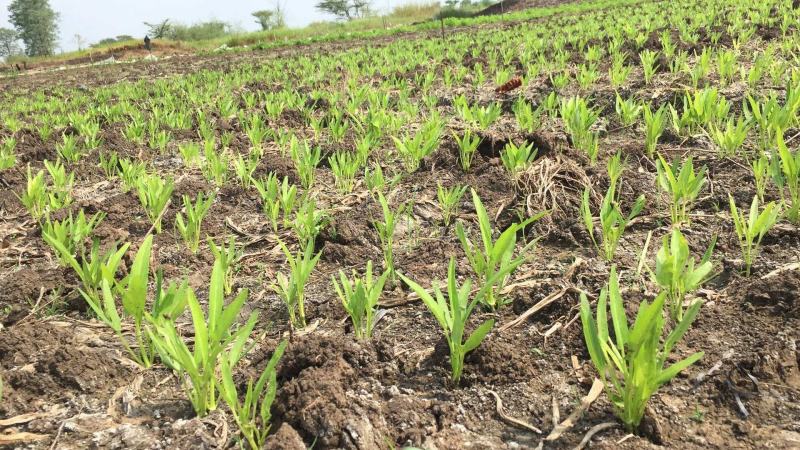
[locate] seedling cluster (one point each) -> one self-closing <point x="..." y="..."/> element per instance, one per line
<point x="328" y="131"/>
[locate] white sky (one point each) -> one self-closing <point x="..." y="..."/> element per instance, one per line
<point x="98" y="19"/>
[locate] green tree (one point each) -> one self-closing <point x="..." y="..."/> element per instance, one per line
<point x="344" y="9"/>
<point x="37" y="25"/>
<point x="8" y="42"/>
<point x="267" y="19"/>
<point x="158" y="30"/>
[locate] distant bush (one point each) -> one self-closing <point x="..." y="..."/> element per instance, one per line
<point x="213" y="29"/>
<point x="418" y="11"/>
<point x="115" y="40"/>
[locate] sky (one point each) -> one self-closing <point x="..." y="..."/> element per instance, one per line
<point x="94" y="20"/>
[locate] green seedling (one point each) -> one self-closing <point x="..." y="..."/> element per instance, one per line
<point x="386" y="230"/>
<point x="682" y="184"/>
<point x="228" y="255"/>
<point x="291" y="288"/>
<point x="453" y="313"/>
<point x="69" y="233"/>
<point x="359" y="297"/>
<point x="731" y="138"/>
<point x="449" y="199"/>
<point x="8" y="157"/>
<point x="252" y="416"/>
<point x="494" y="256"/>
<point x="154" y="195"/>
<point x="786" y="175"/>
<point x="752" y="228"/>
<point x="35" y="198"/>
<point x="632" y="364"/>
<point x="467" y="147"/>
<point x="655" y="124"/>
<point x="109" y="162"/>
<point x="528" y="119"/>
<point x="628" y="110"/>
<point x="305" y="160"/>
<point x="676" y="272"/>
<point x="611" y="219"/>
<point x="132" y="293"/>
<point x="189" y="227"/>
<point x="344" y="166"/>
<point x="517" y="158"/>
<point x="215" y="337"/>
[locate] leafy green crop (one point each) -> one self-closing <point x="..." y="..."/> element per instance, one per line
<point x="253" y="415"/>
<point x="676" y="273"/>
<point x="215" y="337"/>
<point x="494" y="256"/>
<point x="632" y="363"/>
<point x="752" y="228"/>
<point x="359" y="297"/>
<point x="291" y="288"/>
<point x="453" y="314"/>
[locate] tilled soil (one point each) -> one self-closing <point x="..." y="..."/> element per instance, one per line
<point x="70" y="384"/>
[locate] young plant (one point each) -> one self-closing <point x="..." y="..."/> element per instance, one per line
<point x="189" y="228"/>
<point x="528" y="118"/>
<point x="676" y="273"/>
<point x="253" y="415"/>
<point x="154" y="194"/>
<point x="59" y="192"/>
<point x="611" y="218"/>
<point x="618" y="72"/>
<point x="485" y="116"/>
<point x="578" y="119"/>
<point x="649" y="60"/>
<point x="517" y="158"/>
<point x="752" y="228"/>
<point x="305" y="160"/>
<point x="131" y="172"/>
<point x="8" y="157"/>
<point x="109" y="162"/>
<point x="190" y="154"/>
<point x="422" y="144"/>
<point x="467" y="146"/>
<point x="495" y="256"/>
<point x="786" y="175"/>
<point x="386" y="230"/>
<point x="309" y="220"/>
<point x="90" y="268"/>
<point x="215" y="167"/>
<point x="291" y="289"/>
<point x="731" y="138"/>
<point x="69" y="233"/>
<point x="215" y="337"/>
<point x="632" y="364"/>
<point x="448" y="201"/>
<point x="344" y="166"/>
<point x="628" y="110"/>
<point x="132" y="293"/>
<point x="228" y="255"/>
<point x="654" y="125"/>
<point x="278" y="199"/>
<point x="69" y="150"/>
<point x="453" y="314"/>
<point x="35" y="198"/>
<point x="761" y="170"/>
<point x="682" y="184"/>
<point x="359" y="297"/>
<point x="374" y="179"/>
<point x="245" y="167"/>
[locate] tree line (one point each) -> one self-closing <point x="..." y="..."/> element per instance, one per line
<point x="36" y="25"/>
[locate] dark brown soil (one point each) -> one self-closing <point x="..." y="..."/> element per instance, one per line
<point x="394" y="390"/>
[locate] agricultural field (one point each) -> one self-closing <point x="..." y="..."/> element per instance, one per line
<point x="568" y="227"/>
